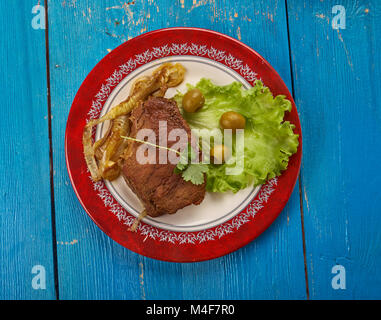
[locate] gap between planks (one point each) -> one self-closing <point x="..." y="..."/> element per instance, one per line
<point x="52" y="202"/>
<point x="300" y="179"/>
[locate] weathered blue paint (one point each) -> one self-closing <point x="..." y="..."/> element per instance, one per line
<point x="337" y="90"/>
<point x="25" y="215"/>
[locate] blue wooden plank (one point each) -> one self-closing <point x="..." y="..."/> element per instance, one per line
<point x="90" y="264"/>
<point x="337" y="88"/>
<point x="25" y="207"/>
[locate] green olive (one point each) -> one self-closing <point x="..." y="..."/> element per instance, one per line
<point x="220" y="153"/>
<point x="193" y="100"/>
<point x="232" y="120"/>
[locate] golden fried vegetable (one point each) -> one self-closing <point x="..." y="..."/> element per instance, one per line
<point x="99" y="144"/>
<point x="109" y="166"/>
<point x="89" y="153"/>
<point x="108" y="150"/>
<point x="167" y="75"/>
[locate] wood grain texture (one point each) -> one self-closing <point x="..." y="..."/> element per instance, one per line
<point x="92" y="266"/>
<point x="337" y="89"/>
<point x="25" y="207"/>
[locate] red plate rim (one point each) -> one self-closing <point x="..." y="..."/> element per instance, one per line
<point x="267" y="206"/>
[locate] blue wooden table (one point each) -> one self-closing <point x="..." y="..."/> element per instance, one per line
<point x="329" y="57"/>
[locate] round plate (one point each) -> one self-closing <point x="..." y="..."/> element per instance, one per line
<point x="222" y="223"/>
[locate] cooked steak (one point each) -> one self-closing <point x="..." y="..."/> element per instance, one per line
<point x="157" y="186"/>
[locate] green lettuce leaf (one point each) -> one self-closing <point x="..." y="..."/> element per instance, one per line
<point x="269" y="141"/>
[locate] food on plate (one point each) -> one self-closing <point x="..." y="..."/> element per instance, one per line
<point x="269" y="141"/>
<point x="260" y="140"/>
<point x="158" y="187"/>
<point x="108" y="153"/>
<point x="193" y="100"/>
<point x="190" y="169"/>
<point x="103" y="158"/>
<point x="232" y="120"/>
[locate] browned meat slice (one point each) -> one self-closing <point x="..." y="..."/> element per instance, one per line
<point x="157" y="186"/>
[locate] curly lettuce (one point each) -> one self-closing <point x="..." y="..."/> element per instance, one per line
<point x="269" y="140"/>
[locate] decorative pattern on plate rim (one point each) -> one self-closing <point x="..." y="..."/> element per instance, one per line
<point x="114" y="207"/>
<point x="161" y="52"/>
<point x="187" y="237"/>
